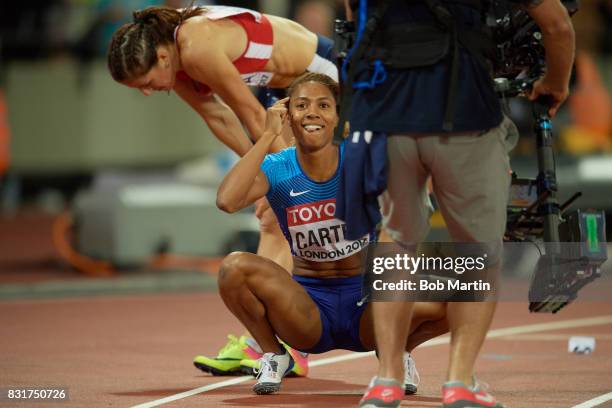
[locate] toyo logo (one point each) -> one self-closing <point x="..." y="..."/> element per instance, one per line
<point x="311" y="212"/>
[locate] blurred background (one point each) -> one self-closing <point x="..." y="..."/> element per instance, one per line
<point x="98" y="181"/>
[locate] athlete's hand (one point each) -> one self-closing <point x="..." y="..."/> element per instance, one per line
<point x="276" y="116"/>
<point x="557" y="94"/>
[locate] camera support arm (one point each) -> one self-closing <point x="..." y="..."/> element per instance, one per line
<point x="546" y="180"/>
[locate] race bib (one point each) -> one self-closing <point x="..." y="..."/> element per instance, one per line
<point x="316" y="235"/>
<point x="257" y="78"/>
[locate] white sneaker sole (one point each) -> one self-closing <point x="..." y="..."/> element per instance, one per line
<point x="266" y="388"/>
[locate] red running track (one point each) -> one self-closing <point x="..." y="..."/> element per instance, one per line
<point x="122" y="351"/>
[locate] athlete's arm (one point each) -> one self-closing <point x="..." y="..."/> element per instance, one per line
<point x="559" y="42"/>
<point x="219" y="117"/>
<point x="246" y="183"/>
<point x="210" y="65"/>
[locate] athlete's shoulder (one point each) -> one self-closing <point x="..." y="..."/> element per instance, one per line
<point x="220" y="12"/>
<point x="280" y="165"/>
<point x="284" y="156"/>
<point x="188" y="37"/>
<point x="197" y="24"/>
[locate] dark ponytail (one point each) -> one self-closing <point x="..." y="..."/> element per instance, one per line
<point x="133" y="48"/>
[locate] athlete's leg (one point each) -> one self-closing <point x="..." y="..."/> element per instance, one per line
<point x="273" y="246"/>
<point x="272" y="243"/>
<point x="264" y="297"/>
<point x="428" y="321"/>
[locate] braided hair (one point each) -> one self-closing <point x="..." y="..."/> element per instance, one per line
<point x="132" y="51"/>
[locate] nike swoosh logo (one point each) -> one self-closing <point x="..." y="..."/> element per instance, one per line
<point x="489" y="398"/>
<point x="293" y="194"/>
<point x="386" y="393"/>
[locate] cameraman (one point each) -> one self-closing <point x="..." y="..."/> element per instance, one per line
<point x="439" y="117"/>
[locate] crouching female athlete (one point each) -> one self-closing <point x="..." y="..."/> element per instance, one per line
<point x="316" y="309"/>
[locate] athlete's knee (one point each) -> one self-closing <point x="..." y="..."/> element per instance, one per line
<point x="233" y="270"/>
<point x="435" y="310"/>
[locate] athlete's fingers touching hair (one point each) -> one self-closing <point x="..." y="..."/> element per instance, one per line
<point x="283" y="101"/>
<point x="283" y="104"/>
<point x="280" y="106"/>
<point x="276" y="116"/>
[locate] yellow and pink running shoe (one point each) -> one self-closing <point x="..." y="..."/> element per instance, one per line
<point x="228" y="360"/>
<point x="240" y="355"/>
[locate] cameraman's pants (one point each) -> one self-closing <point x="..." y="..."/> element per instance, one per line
<point x="471" y="180"/>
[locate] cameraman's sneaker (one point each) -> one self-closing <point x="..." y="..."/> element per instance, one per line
<point x="382" y="393"/>
<point x="228" y="360"/>
<point x="411" y="375"/>
<point x="456" y="394"/>
<point x="300" y="363"/>
<point x="273" y="367"/>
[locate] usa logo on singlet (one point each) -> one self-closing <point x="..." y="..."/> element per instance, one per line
<point x="316" y="235"/>
<point x="257" y="78"/>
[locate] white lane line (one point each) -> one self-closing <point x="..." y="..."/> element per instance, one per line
<point x="195" y="391"/>
<point x="595" y="401"/>
<point x="508" y="331"/>
<point x="555" y="337"/>
<point x="563" y="324"/>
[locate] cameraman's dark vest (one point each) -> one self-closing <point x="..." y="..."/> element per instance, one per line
<point x="419" y="45"/>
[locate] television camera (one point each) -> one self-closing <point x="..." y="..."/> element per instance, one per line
<point x="574" y="241"/>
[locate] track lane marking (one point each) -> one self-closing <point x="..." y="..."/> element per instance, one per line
<point x="555" y="337"/>
<point x="595" y="401"/>
<point x="495" y="333"/>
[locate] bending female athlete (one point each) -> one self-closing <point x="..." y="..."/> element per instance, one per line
<point x="317" y="308"/>
<point x="203" y="53"/>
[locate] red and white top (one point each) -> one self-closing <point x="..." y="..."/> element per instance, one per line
<point x="260" y="39"/>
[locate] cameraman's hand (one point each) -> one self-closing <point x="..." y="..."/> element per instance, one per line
<point x="276" y="116"/>
<point x="557" y="94"/>
<point x="558" y="40"/>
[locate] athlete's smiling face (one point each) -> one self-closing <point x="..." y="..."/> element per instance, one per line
<point x="312" y="111"/>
